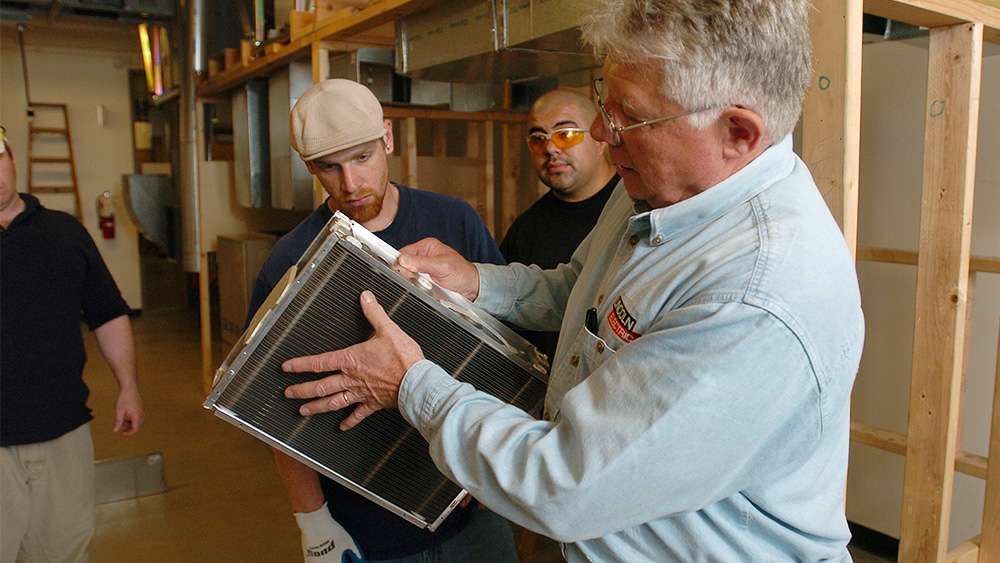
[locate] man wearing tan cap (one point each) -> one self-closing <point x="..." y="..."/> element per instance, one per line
<point x="337" y="127"/>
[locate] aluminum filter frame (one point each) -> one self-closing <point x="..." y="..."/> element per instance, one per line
<point x="316" y="309"/>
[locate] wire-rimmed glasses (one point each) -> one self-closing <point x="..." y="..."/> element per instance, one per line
<point x="615" y="130"/>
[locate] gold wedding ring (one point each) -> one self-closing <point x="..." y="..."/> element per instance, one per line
<point x="346" y="402"/>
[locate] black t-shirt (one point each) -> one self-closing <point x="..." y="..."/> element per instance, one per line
<point x="380" y="533"/>
<point x="50" y="272"/>
<point x="547" y="234"/>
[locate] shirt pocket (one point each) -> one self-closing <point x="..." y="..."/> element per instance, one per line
<point x="594" y="351"/>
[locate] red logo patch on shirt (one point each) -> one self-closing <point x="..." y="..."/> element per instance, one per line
<point x="622" y="322"/>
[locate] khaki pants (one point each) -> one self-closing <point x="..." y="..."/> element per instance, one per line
<point x="47" y="497"/>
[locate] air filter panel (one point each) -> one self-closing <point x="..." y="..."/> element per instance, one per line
<point x="316" y="309"/>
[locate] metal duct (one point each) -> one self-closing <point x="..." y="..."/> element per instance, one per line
<point x="489" y="39"/>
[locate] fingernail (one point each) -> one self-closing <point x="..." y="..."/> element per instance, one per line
<point x="304" y="411"/>
<point x="403" y="260"/>
<point x="367" y="296"/>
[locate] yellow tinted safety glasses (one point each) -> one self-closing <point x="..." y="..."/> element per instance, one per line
<point x="561" y="138"/>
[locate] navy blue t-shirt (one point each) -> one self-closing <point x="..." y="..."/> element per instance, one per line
<point x="380" y="533"/>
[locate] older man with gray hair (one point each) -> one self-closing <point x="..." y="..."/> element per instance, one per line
<point x="698" y="405"/>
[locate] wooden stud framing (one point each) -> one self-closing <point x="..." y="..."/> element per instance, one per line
<point x="488" y="182"/>
<point x="204" y="282"/>
<point x="990" y="546"/>
<point x="510" y="202"/>
<point x="320" y="59"/>
<point x="931" y="445"/>
<point x="954" y="73"/>
<point x="408" y="150"/>
<point x="831" y="121"/>
<point x="440" y="140"/>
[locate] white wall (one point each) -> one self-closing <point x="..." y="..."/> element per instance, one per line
<point x="83" y="79"/>
<point x="893" y="106"/>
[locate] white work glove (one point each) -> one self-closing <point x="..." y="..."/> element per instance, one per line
<point x="324" y="540"/>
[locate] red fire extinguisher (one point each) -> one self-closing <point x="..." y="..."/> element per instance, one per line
<point x="106" y="215"/>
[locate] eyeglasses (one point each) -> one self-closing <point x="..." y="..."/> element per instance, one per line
<point x="615" y="130"/>
<point x="561" y="138"/>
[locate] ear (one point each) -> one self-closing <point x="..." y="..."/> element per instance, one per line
<point x="743" y="133"/>
<point x="310" y="166"/>
<point x="388" y="137"/>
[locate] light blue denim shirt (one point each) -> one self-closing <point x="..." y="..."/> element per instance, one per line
<point x="708" y="417"/>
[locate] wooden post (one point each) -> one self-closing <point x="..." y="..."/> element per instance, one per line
<point x="440" y="140"/>
<point x="954" y="75"/>
<point x="205" y="318"/>
<point x="408" y="150"/>
<point x="831" y="121"/>
<point x="511" y="167"/>
<point x="970" y="299"/>
<point x="488" y="183"/>
<point x="204" y="301"/>
<point x="473" y="138"/>
<point x="989" y="547"/>
<point x="320" y="72"/>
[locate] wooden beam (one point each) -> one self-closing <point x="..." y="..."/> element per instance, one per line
<point x="831" y="122"/>
<point x="968" y="552"/>
<point x="893" y="442"/>
<point x="938" y="13"/>
<point x="506" y="116"/>
<point x="954" y="75"/>
<point x="990" y="545"/>
<point x="909" y="257"/>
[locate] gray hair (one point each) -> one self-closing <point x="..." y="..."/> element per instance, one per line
<point x="750" y="53"/>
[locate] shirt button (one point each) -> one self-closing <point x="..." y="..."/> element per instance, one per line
<point x="657" y="240"/>
<point x="600" y="347"/>
<point x="547" y="416"/>
<point x="574" y="361"/>
<point x="633" y="240"/>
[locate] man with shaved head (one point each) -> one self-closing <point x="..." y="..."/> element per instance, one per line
<point x="580" y="177"/>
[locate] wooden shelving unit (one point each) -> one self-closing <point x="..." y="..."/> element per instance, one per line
<point x="831" y="147"/>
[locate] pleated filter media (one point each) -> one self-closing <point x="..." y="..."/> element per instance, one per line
<point x="315" y="310"/>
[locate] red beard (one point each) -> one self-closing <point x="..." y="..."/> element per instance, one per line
<point x="364" y="214"/>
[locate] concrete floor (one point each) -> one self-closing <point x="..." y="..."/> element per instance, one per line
<point x="223" y="502"/>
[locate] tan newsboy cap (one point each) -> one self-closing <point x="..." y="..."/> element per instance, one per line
<point x="334" y="115"/>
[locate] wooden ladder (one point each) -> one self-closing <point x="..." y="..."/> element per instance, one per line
<point x="62" y="132"/>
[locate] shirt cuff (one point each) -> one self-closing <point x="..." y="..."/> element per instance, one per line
<point x="496" y="286"/>
<point x="421" y="392"/>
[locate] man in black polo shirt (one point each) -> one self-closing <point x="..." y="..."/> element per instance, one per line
<point x="580" y="177"/>
<point x="50" y="272"/>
